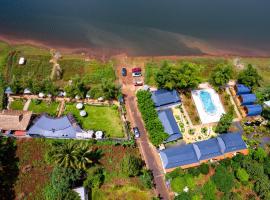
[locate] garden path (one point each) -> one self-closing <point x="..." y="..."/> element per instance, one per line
<point x="26" y="105"/>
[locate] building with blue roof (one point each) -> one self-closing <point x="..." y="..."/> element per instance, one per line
<point x="63" y="127"/>
<point x="191" y="155"/>
<point x="241" y="89"/>
<point x="253" y="110"/>
<point x="247" y="99"/>
<point x="8" y="90"/>
<point x="170" y="126"/>
<point x="165" y="98"/>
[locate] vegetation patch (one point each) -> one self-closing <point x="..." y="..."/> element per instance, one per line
<point x="104" y="118"/>
<point x="38" y="107"/>
<point x="17" y="104"/>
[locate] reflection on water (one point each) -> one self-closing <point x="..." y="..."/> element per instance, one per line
<point x="152" y="27"/>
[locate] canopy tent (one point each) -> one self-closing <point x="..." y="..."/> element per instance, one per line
<point x="8" y="90"/>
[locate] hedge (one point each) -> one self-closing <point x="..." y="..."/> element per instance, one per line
<point x="149" y="114"/>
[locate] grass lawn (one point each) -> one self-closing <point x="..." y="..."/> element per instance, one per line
<point x="44" y="107"/>
<point x="190" y="108"/>
<point x="17" y="104"/>
<point x="104" y="118"/>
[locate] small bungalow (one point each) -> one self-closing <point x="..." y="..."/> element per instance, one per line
<point x="247" y="99"/>
<point x="165" y="98"/>
<point x="191" y="155"/>
<point x="8" y="91"/>
<point x="241" y="89"/>
<point x="15" y="120"/>
<point x="170" y="126"/>
<point x="253" y="110"/>
<point x="62" y="127"/>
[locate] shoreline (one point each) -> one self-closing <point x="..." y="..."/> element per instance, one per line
<point x="104" y="54"/>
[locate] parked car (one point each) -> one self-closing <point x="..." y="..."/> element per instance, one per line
<point x="136" y="132"/>
<point x="138" y="82"/>
<point x="124" y="71"/>
<point x="136" y="69"/>
<point x="136" y="74"/>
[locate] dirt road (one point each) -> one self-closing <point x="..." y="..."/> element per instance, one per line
<point x="149" y="153"/>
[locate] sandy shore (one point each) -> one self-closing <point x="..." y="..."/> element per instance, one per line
<point x="207" y="49"/>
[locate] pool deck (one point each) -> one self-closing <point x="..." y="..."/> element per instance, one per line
<point x="205" y="117"/>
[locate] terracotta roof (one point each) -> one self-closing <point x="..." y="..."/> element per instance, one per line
<point x="15" y="120"/>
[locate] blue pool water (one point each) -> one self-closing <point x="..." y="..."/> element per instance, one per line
<point x="207" y="102"/>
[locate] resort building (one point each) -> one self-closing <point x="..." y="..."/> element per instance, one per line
<point x="241" y="89"/>
<point x="164" y="99"/>
<point x="63" y="127"/>
<point x="170" y="126"/>
<point x="15" y="120"/>
<point x="253" y="110"/>
<point x="191" y="155"/>
<point x="247" y="99"/>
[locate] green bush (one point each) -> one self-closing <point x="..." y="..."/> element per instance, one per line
<point x="131" y="165"/>
<point x="209" y="190"/>
<point x="150" y="117"/>
<point x="242" y="176"/>
<point x="223" y="179"/>
<point x="204" y="168"/>
<point x="147" y="179"/>
<point x="95" y="178"/>
<point x="180" y="182"/>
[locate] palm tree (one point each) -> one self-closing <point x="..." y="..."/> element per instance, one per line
<point x="84" y="156"/>
<point x="65" y="155"/>
<point x="72" y="155"/>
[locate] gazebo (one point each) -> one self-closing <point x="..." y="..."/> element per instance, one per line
<point x="79" y="106"/>
<point x="27" y="91"/>
<point x="83" y="113"/>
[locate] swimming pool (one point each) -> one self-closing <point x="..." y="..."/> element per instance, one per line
<point x="207" y="102"/>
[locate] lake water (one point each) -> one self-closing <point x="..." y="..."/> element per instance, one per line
<point x="142" y="27"/>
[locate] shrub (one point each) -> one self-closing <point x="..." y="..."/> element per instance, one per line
<point x="131" y="165"/>
<point x="180" y="182"/>
<point x="95" y="178"/>
<point x="150" y="117"/>
<point x="204" y="168"/>
<point x="242" y="175"/>
<point x="223" y="179"/>
<point x="209" y="190"/>
<point x="147" y="179"/>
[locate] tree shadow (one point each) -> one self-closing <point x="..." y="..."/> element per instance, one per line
<point x="96" y="155"/>
<point x="9" y="170"/>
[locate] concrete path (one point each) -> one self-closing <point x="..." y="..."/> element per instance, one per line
<point x="26" y="105"/>
<point x="61" y="108"/>
<point x="239" y="116"/>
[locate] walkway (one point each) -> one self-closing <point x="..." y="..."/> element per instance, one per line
<point x="26" y="105"/>
<point x="61" y="108"/>
<point x="148" y="152"/>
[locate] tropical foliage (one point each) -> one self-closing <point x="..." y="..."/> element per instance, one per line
<point x="224" y="123"/>
<point x="249" y="77"/>
<point x="221" y="75"/>
<point x="150" y="117"/>
<point x="184" y="76"/>
<point x="131" y="165"/>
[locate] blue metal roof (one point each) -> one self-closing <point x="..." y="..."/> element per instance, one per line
<point x="254" y="110"/>
<point x="242" y="89"/>
<point x="204" y="150"/>
<point x="209" y="149"/>
<point x="178" y="156"/>
<point x="63" y="127"/>
<point x="247" y="99"/>
<point x="170" y="126"/>
<point x="233" y="142"/>
<point x="164" y="97"/>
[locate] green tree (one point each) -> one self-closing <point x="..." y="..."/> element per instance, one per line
<point x="109" y="89"/>
<point x="242" y="175"/>
<point x="262" y="186"/>
<point x="221" y="75"/>
<point x="224" y="123"/>
<point x="180" y="182"/>
<point x="131" y="165"/>
<point x="259" y="155"/>
<point x="147" y="178"/>
<point x="249" y="77"/>
<point x="71" y="155"/>
<point x="95" y="178"/>
<point x="223" y="179"/>
<point x="204" y="168"/>
<point x="209" y="190"/>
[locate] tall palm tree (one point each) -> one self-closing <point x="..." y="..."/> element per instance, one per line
<point x="84" y="156"/>
<point x="72" y="155"/>
<point x="65" y="155"/>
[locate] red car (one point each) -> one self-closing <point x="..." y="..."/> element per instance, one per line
<point x="137" y="69"/>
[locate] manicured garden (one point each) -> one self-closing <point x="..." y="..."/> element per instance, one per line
<point x="17" y="104"/>
<point x="38" y="107"/>
<point x="104" y="118"/>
